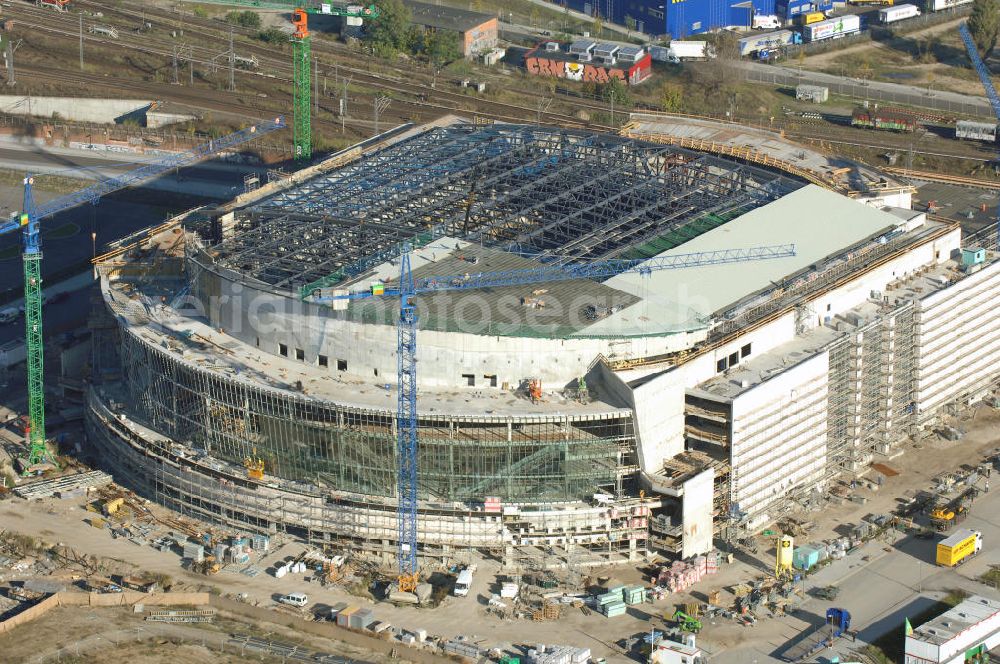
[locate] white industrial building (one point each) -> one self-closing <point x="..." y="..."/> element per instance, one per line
<point x="708" y="397"/>
<point x="964" y="634"/>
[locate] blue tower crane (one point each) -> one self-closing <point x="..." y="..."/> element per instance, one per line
<point x="984" y="78"/>
<point x="39" y="457"/>
<point x="406" y="351"/>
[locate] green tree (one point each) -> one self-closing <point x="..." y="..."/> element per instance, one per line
<point x="671" y="97"/>
<point x="441" y="47"/>
<point x="616" y="91"/>
<point x="391" y="30"/>
<point x="246" y="19"/>
<point x="273" y="35"/>
<point x="984" y="25"/>
<point x="597" y="28"/>
<point x="630" y="25"/>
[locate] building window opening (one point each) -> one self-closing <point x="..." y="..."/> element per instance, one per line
<point x="376" y="371"/>
<point x="734" y="359"/>
<point x="745" y="351"/>
<point x="491" y="379"/>
<point x="470" y="379"/>
<point x="283" y="350"/>
<point x="721" y="365"/>
<point x="341" y="365"/>
<point x="323" y="360"/>
<point x="300" y="354"/>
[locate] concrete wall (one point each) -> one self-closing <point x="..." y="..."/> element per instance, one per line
<point x="264" y="320"/>
<point x="699" y="492"/>
<point x="73" y="108"/>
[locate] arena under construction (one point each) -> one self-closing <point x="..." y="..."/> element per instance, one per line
<point x="672" y="404"/>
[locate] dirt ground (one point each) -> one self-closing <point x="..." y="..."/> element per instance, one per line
<point x="939" y="72"/>
<point x="84" y="635"/>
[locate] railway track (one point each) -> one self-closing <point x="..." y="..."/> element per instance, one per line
<point x="424" y="98"/>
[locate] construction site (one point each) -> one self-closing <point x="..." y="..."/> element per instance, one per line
<point x="475" y="380"/>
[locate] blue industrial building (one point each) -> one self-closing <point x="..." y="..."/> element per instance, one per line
<point x="681" y="18"/>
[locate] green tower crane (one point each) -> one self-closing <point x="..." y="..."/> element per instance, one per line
<point x="301" y="69"/>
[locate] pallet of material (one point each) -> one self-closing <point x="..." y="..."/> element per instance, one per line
<point x="49" y="488"/>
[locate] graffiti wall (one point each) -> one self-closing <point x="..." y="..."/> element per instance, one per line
<point x="539" y="65"/>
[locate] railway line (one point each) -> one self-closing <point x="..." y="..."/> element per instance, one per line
<point x="424" y="98"/>
<point x="943" y="177"/>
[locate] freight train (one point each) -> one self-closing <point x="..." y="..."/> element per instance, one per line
<point x="872" y="118"/>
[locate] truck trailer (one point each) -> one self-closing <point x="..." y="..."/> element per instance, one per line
<point x="769" y="41"/>
<point x="679" y="51"/>
<point x="959" y="547"/>
<point x="888" y="15"/>
<point x="941" y="5"/>
<point x="833" y="28"/>
<point x="977" y="131"/>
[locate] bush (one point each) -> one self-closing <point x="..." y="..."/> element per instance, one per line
<point x="272" y="35"/>
<point x="246" y="19"/>
<point x="200" y="12"/>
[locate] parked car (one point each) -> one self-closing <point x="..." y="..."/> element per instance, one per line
<point x="294" y="599"/>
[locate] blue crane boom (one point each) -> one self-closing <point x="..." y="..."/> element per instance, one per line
<point x="406" y="351"/>
<point x="566" y="272"/>
<point x="984" y="77"/>
<point x="39" y="457"/>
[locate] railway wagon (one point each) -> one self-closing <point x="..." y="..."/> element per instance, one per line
<point x="881" y="120"/>
<point x="976" y="131"/>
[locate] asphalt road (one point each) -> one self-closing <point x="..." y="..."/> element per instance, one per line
<point x="888" y="587"/>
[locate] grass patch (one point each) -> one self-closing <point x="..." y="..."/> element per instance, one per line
<point x="992" y="578"/>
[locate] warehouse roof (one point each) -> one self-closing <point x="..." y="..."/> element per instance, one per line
<point x="819" y="222"/>
<point x="446" y="18"/>
<point x="953" y="622"/>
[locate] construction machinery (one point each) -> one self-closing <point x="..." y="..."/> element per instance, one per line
<point x="991" y="93"/>
<point x="39" y="458"/>
<point x="254" y="465"/>
<point x="301" y="68"/>
<point x="685" y="622"/>
<point x="406" y="350"/>
<point x="838" y="622"/>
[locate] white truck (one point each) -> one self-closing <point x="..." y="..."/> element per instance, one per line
<point x="679" y="51"/>
<point x="766" y="22"/>
<point x="888" y="15"/>
<point x="832" y="28"/>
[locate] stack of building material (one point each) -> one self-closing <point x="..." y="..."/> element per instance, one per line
<point x="611" y="604"/>
<point x="461" y="648"/>
<point x="542" y="654"/>
<point x="261" y="542"/>
<point x="634" y="595"/>
<point x="194" y="552"/>
<point x="680" y="575"/>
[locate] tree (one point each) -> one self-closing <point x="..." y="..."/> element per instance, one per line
<point x="616" y="91"/>
<point x="597" y="28"/>
<point x="246" y="19"/>
<point x="391" y="30"/>
<point x="441" y="47"/>
<point x="630" y="25"/>
<point x="984" y="25"/>
<point x="671" y="97"/>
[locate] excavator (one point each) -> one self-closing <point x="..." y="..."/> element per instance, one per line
<point x="686" y="623"/>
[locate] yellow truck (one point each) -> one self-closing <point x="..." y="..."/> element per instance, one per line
<point x="959" y="547"/>
<point x="808" y="18"/>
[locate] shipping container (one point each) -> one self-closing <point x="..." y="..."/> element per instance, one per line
<point x="959" y="547"/>
<point x="977" y="131"/>
<point x="769" y="41"/>
<point x="882" y="120"/>
<point x="833" y="28"/>
<point x="344" y="617"/>
<point x="814" y="93"/>
<point x="898" y="13"/>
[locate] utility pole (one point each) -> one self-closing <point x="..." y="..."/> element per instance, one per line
<point x="232" y="63"/>
<point x="176" y="81"/>
<point x="81" y="42"/>
<point x="11" y="47"/>
<point x="543" y="105"/>
<point x="316" y="85"/>
<point x="343" y="106"/>
<point x="380" y="104"/>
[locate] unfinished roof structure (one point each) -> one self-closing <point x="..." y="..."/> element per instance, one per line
<point x="556" y="195"/>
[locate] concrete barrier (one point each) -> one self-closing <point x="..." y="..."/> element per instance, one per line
<point x="127" y="598"/>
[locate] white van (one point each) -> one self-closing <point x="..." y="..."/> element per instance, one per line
<point x="463" y="583"/>
<point x="294" y="599"/>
